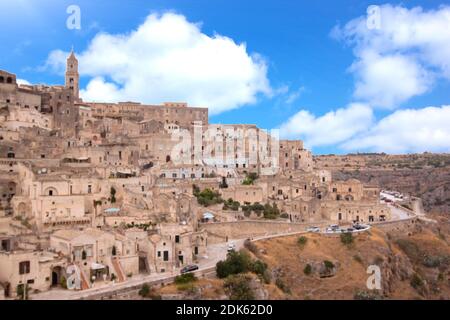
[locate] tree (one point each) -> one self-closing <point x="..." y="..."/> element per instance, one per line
<point x="238" y="287"/>
<point x="302" y="241"/>
<point x="347" y="238"/>
<point x="307" y="270"/>
<point x="236" y="262"/>
<point x="250" y="178"/>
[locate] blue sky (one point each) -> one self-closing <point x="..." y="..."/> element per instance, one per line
<point x="305" y="67"/>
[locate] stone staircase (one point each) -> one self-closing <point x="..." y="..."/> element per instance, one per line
<point x="118" y="271"/>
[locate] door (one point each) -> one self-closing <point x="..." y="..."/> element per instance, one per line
<point x="54" y="279"/>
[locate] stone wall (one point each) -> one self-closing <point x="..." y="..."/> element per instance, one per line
<point x="405" y="225"/>
<point x="249" y="229"/>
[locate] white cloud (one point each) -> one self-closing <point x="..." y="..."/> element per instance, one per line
<point x="354" y="128"/>
<point x="406" y="131"/>
<point x="402" y="58"/>
<point x="331" y="128"/>
<point x="22" y="81"/>
<point x="168" y="58"/>
<point x="292" y="97"/>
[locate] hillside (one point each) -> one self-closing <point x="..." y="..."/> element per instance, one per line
<point x="414" y="264"/>
<point x="422" y="175"/>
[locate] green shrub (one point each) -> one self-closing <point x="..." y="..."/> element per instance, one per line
<point x="416" y="281"/>
<point x="241" y="262"/>
<point x="238" y="287"/>
<point x="409" y="248"/>
<point x="307" y="270"/>
<point x="260" y="268"/>
<point x="186" y="287"/>
<point x="328" y="264"/>
<point x="145" y="290"/>
<point x="365" y="295"/>
<point x="185" y="278"/>
<point x="302" y="241"/>
<point x="230" y="204"/>
<point x="250" y="178"/>
<point x="207" y="197"/>
<point x="148" y="292"/>
<point x="236" y="262"/>
<point x="433" y="261"/>
<point x="271" y="212"/>
<point x="347" y="238"/>
<point x="282" y="285"/>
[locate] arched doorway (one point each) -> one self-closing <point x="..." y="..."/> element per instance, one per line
<point x="50" y="191"/>
<point x="348" y="197"/>
<point x="57" y="275"/>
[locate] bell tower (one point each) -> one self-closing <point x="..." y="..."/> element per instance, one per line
<point x="72" y="76"/>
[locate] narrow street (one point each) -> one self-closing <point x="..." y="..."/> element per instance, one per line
<point x="216" y="252"/>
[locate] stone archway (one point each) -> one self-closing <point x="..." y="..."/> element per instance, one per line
<point x="349" y="197"/>
<point x="50" y="191"/>
<point x="56" y="276"/>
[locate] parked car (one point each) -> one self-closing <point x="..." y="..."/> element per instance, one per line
<point x="313" y="229"/>
<point x="189" y="268"/>
<point x="231" y="247"/>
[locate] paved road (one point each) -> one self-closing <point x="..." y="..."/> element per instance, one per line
<point x="215" y="253"/>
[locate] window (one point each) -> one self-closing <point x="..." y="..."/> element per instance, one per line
<point x="24" y="267"/>
<point x="166" y="256"/>
<point x="159" y="254"/>
<point x="89" y="188"/>
<point x="177" y="239"/>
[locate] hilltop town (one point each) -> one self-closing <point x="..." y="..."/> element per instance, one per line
<point x="125" y="192"/>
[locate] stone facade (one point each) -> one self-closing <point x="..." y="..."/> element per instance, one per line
<point x="108" y="188"/>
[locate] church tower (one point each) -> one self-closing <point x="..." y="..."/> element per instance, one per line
<point x="72" y="76"/>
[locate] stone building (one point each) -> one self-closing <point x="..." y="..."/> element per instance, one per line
<point x="109" y="187"/>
